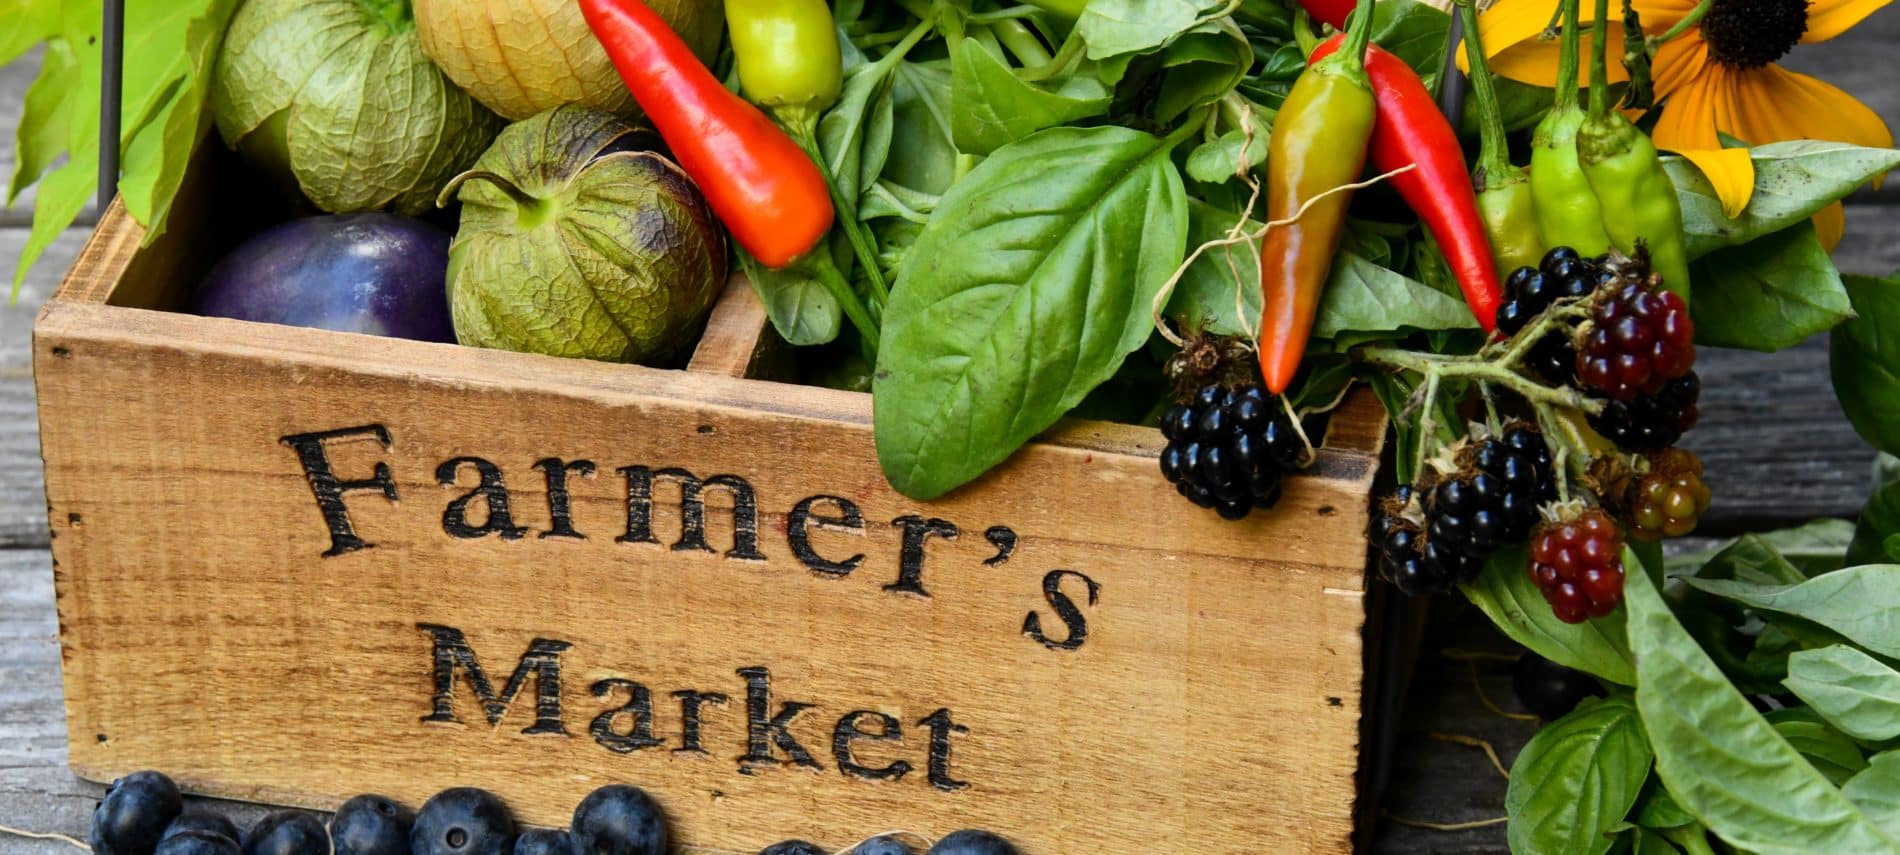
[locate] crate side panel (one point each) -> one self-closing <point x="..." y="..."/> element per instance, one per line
<point x="1213" y="697"/>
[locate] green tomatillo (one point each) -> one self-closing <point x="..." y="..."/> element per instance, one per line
<point x="337" y="99"/>
<point x="575" y="241"/>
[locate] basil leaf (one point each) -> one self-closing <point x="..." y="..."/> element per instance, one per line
<point x="1363" y="297"/>
<point x="1876" y="791"/>
<point x="1577" y="778"/>
<point x="802" y="310"/>
<point x="922" y="155"/>
<point x="1864" y="360"/>
<point x="1793" y="180"/>
<point x="1879" y="524"/>
<point x="1855" y="692"/>
<point x="990" y="107"/>
<point x="1414" y="32"/>
<point x="1860" y="603"/>
<point x="1813" y="548"/>
<point x="1767" y="294"/>
<point x="1829" y="751"/>
<point x="855" y="134"/>
<point x="1200" y="66"/>
<point x="1111" y="27"/>
<point x="1204" y="299"/>
<point x="1218" y="159"/>
<point x="1752" y="559"/>
<point x="1659" y="808"/>
<point x="1510" y="598"/>
<point x="1033" y="279"/>
<point x="1721" y="760"/>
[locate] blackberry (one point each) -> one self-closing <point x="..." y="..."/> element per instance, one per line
<point x="1669" y="499"/>
<point x="1549" y="690"/>
<point x="1530" y="290"/>
<point x="1577" y="562"/>
<point x="1229" y="447"/>
<point x="1639" y="336"/>
<point x="1651" y="422"/>
<point x="1494" y="499"/>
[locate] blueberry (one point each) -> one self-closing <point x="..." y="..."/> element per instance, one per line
<point x="287" y="832"/>
<point x="973" y="842"/>
<point x="134" y="813"/>
<point x="462" y="821"/>
<point x="205" y="821"/>
<point x="545" y="841"/>
<point x="619" y="820"/>
<point x="371" y="825"/>
<point x="793" y="847"/>
<point x="882" y="844"/>
<point x="197" y="841"/>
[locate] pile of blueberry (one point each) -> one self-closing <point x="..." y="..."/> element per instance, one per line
<point x="143" y="814"/>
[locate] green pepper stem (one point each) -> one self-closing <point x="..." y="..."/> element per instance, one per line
<point x="1359" y="34"/>
<point x="1567" y="57"/>
<point x="1599" y="61"/>
<point x="1493" y="152"/>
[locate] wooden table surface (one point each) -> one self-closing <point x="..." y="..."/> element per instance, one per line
<point x="1777" y="448"/>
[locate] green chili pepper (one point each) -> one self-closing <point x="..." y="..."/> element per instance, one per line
<point x="1567" y="211"/>
<point x="787" y="53"/>
<point x="1627" y="176"/>
<point x="1504" y="191"/>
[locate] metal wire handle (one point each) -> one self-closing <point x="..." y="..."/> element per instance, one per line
<point x="111" y="99"/>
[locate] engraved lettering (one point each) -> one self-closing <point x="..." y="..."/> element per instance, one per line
<point x="910" y="567"/>
<point x="745" y="511"/>
<point x="763" y="732"/>
<point x="542" y="662"/>
<point x="491" y="491"/>
<point x="690" y="703"/>
<point x="639" y="709"/>
<point x="848" y="519"/>
<point x="850" y="729"/>
<point x="329" y="489"/>
<point x="560" y="516"/>
<point x="941" y="729"/>
<point x="1065" y="609"/>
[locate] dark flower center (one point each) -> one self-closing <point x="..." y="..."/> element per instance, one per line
<point x="1745" y="34"/>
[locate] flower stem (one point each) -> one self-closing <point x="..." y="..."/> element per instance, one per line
<point x="1693" y="18"/>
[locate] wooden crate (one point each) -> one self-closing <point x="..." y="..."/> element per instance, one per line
<point x="293" y="565"/>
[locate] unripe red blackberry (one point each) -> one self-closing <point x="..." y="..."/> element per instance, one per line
<point x="1229" y="448"/>
<point x="1577" y="563"/>
<point x="1670" y="498"/>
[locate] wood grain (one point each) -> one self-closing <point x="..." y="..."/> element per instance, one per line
<point x="1216" y="694"/>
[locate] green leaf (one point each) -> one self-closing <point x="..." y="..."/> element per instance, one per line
<point x="45" y="120"/>
<point x="1111" y="27"/>
<point x="1510" y="598"/>
<point x="1577" y="778"/>
<point x="1721" y="760"/>
<point x="1829" y="751"/>
<point x="1876" y="791"/>
<point x="1206" y="296"/>
<point x="1413" y="31"/>
<point x="1860" y="603"/>
<point x="1793" y="180"/>
<point x="1034" y="278"/>
<point x="1218" y="159"/>
<point x="1879" y="523"/>
<point x="1363" y="297"/>
<point x="1659" y="808"/>
<point x="1768" y="294"/>
<point x="25" y="23"/>
<point x="1751" y="558"/>
<point x="855" y="134"/>
<point x="923" y="156"/>
<point x="1200" y="66"/>
<point x="1855" y="692"/>
<point x="1864" y="359"/>
<point x="802" y="310"/>
<point x="1813" y="548"/>
<point x="990" y="107"/>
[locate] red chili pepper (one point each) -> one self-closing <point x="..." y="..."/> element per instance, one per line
<point x="1411" y="130"/>
<point x="1330" y="12"/>
<point x="761" y="184"/>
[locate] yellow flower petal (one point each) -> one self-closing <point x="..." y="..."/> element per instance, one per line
<point x="1510" y="30"/>
<point x="1830" y="18"/>
<point x="1730" y="171"/>
<point x="1773" y="104"/>
<point x="1679" y="62"/>
<point x="1695" y="108"/>
<point x="1829" y="223"/>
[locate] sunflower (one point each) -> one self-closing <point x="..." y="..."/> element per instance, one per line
<point x="1717" y="77"/>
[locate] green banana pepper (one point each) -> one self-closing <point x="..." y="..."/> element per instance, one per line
<point x="788" y="57"/>
<point x="1504" y="191"/>
<point x="1627" y="176"/>
<point x="1567" y="210"/>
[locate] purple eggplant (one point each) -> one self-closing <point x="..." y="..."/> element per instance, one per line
<point x="379" y="274"/>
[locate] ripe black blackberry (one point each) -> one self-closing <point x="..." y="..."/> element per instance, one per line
<point x="1651" y="422"/>
<point x="1493" y="498"/>
<point x="1530" y="290"/>
<point x="1228" y="448"/>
